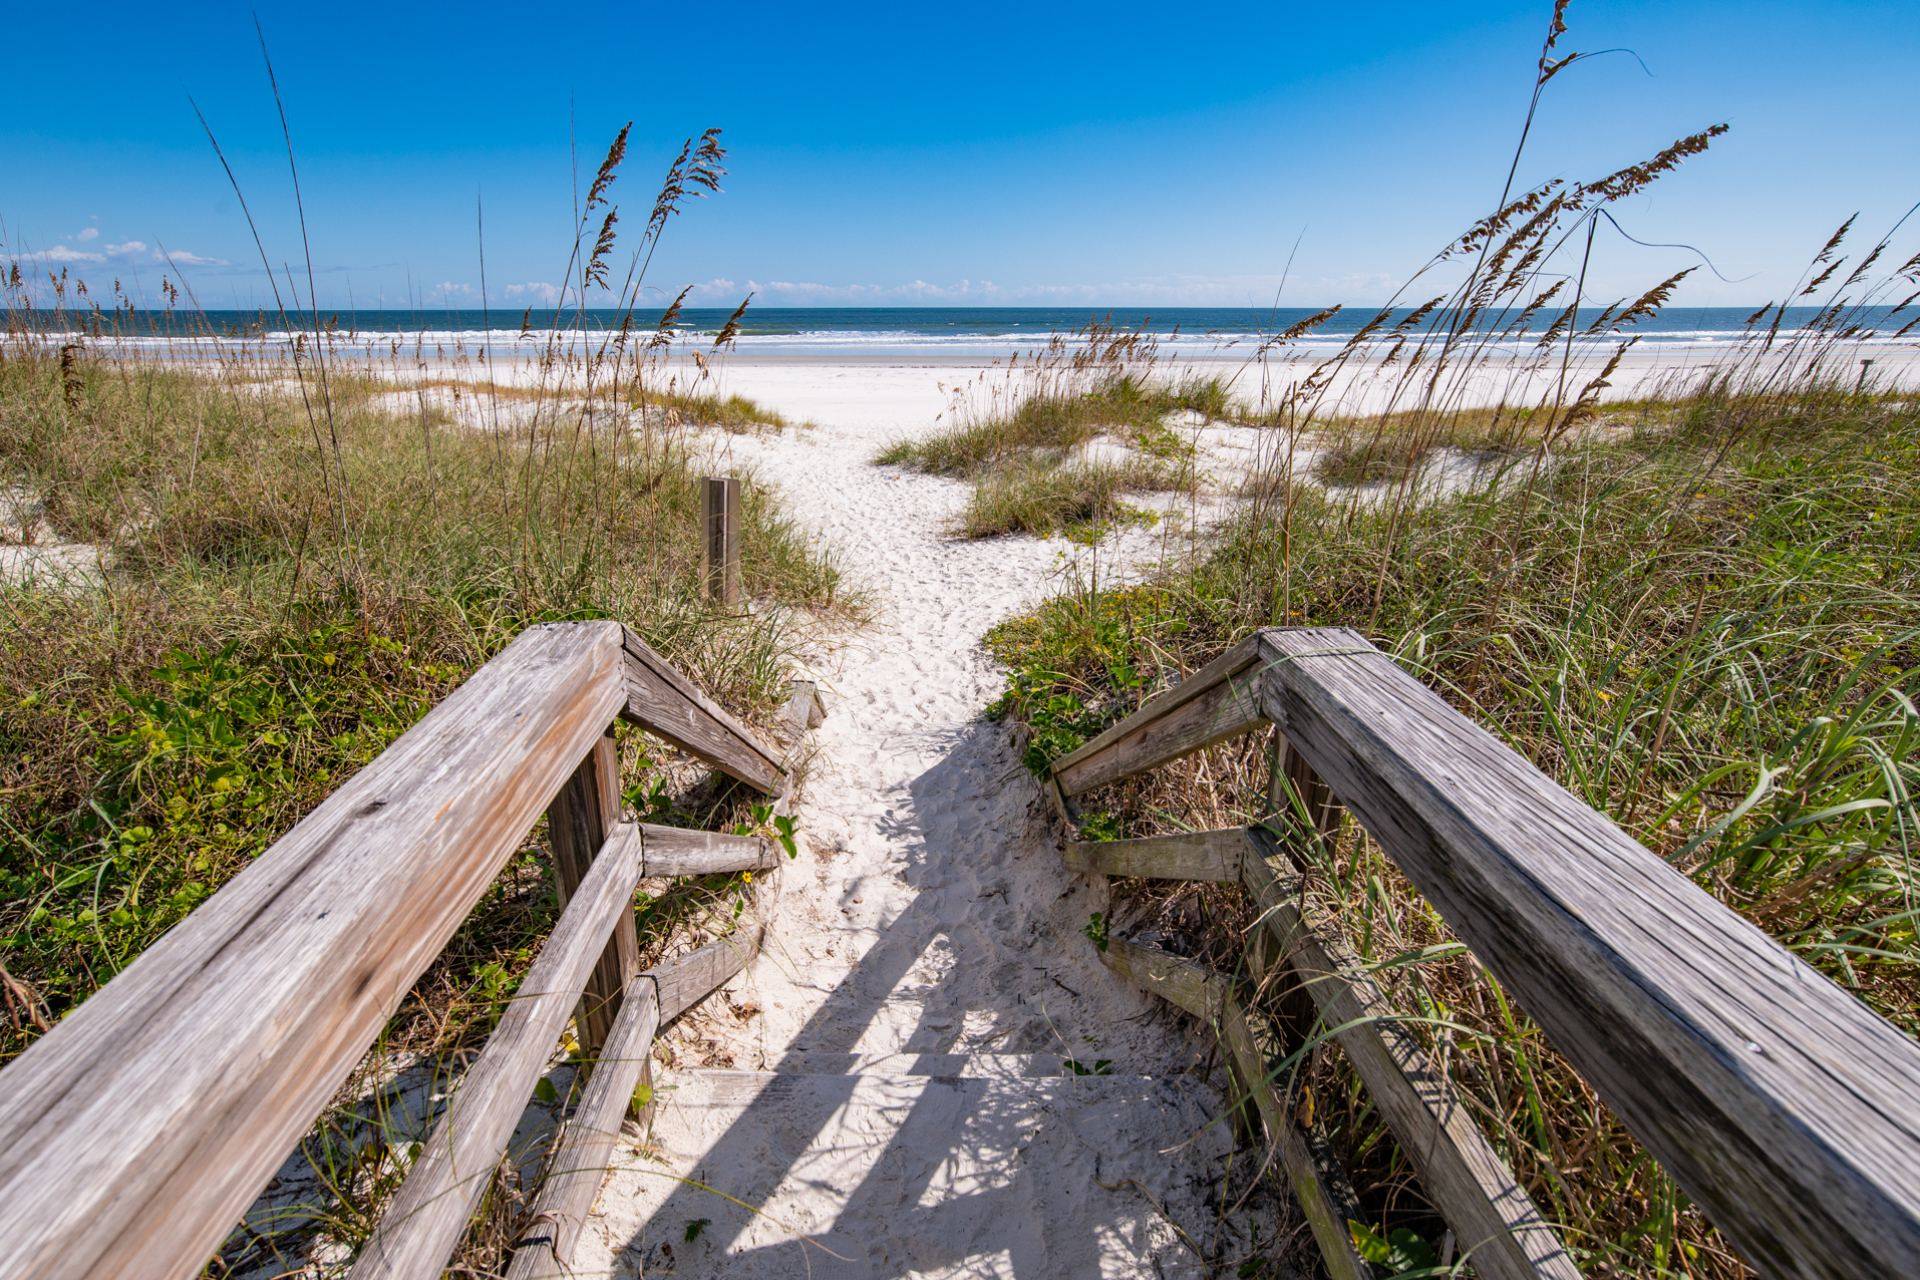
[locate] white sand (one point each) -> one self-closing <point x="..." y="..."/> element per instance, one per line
<point x="900" y="1105"/>
<point x="33" y="553"/>
<point x="897" y="393"/>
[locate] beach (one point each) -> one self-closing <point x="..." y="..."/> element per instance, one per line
<point x="911" y="366"/>
<point x="927" y="1070"/>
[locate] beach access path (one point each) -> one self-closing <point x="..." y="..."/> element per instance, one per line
<point x="928" y="1071"/>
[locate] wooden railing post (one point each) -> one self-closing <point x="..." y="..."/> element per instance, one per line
<point x="722" y="513"/>
<point x="1292" y="776"/>
<point x="578" y="821"/>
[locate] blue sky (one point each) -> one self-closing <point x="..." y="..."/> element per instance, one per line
<point x="900" y="155"/>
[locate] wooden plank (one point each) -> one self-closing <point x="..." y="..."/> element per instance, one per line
<point x="430" y="1212"/>
<point x="578" y="822"/>
<point x="136" y="1133"/>
<point x="686" y="980"/>
<point x="1319" y="1184"/>
<point x="1186" y="855"/>
<point x="1063" y="808"/>
<point x="1494" y="1219"/>
<point x="1207" y="995"/>
<point x="1299" y="792"/>
<point x="804" y="709"/>
<point x="1185" y="984"/>
<point x="678" y="851"/>
<point x="583" y="1149"/>
<point x="664" y="702"/>
<point x="1782" y="1105"/>
<point x="721" y="513"/>
<point x="1215" y="703"/>
<point x="1469" y="1183"/>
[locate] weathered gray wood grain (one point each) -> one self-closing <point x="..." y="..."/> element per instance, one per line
<point x="1214" y="703"/>
<point x="1207" y="995"/>
<point x="666" y="703"/>
<point x="1297" y="792"/>
<point x="1185" y="855"/>
<point x="583" y="1149"/>
<point x="584" y="1146"/>
<point x="578" y="822"/>
<point x="720" y="509"/>
<point x="1783" y="1106"/>
<point x="1319" y="1184"/>
<point x="430" y="1212"/>
<point x="1185" y="984"/>
<point x="804" y="710"/>
<point x="679" y="851"/>
<point x="134" y="1134"/>
<point x="1494" y="1219"/>
<point x="686" y="980"/>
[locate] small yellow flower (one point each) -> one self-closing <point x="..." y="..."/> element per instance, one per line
<point x="746" y="877"/>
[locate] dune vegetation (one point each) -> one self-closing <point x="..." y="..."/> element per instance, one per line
<point x="1061" y="439"/>
<point x="1702" y="615"/>
<point x="287" y="561"/>
<point x="1698" y="610"/>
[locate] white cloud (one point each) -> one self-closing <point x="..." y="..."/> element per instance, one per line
<point x="719" y="291"/>
<point x="539" y="291"/>
<point x="120" y="254"/>
<point x="451" y="291"/>
<point x="1167" y="290"/>
<point x="116" y="252"/>
<point x="1172" y="290"/>
<point x="60" y="253"/>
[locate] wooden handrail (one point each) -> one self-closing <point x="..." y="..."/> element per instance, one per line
<point x="1495" y="1222"/>
<point x="1219" y="701"/>
<point x="1493" y="1218"/>
<point x="1781" y="1104"/>
<point x="668" y="705"/>
<point x="581" y="1153"/>
<point x="423" y="1224"/>
<point x="136" y="1132"/>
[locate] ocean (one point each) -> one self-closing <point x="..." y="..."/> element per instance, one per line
<point x="944" y="333"/>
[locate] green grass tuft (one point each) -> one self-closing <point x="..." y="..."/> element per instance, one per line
<point x="1041" y="497"/>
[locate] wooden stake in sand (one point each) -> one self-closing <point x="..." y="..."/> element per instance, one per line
<point x="722" y="510"/>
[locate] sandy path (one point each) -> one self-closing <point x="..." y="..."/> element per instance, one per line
<point x="902" y="1099"/>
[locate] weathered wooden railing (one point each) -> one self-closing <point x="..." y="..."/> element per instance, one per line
<point x="135" y="1134"/>
<point x="1784" y="1107"/>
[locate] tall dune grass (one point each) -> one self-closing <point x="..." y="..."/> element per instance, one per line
<point x="1699" y="610"/>
<point x="305" y="547"/>
<point x="1715" y="641"/>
